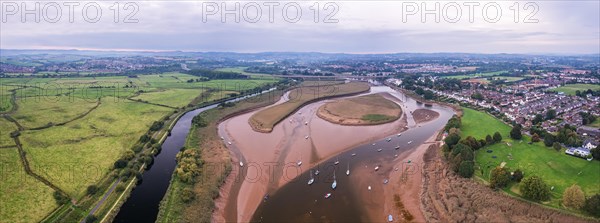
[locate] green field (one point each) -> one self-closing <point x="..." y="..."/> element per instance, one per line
<point x="556" y="168"/>
<point x="24" y="199"/>
<point x="505" y="78"/>
<point x="595" y="123"/>
<point x="171" y="97"/>
<point x="461" y="77"/>
<point x="81" y="150"/>
<point x="570" y="89"/>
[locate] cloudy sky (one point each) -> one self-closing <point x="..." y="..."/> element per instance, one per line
<point x="388" y="26"/>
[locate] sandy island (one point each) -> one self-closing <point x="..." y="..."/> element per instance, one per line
<point x="305" y="137"/>
<point x="370" y="109"/>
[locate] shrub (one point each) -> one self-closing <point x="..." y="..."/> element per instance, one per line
<point x="187" y="195"/>
<point x="515" y="133"/>
<point x="573" y="197"/>
<point x="592" y="205"/>
<point x="91" y="219"/>
<point x="556" y="146"/>
<point x="499" y="177"/>
<point x="120" y="163"/>
<point x="60" y="198"/>
<point x="497" y="137"/>
<point x="489" y="140"/>
<point x="452" y="139"/>
<point x="534" y="188"/>
<point x="517" y="175"/>
<point x="466" y="169"/>
<point x="535" y="138"/>
<point x="199" y="121"/>
<point x="92" y="189"/>
<point x="120" y="188"/>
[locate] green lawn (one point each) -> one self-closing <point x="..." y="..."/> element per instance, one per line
<point x="595" y="123"/>
<point x="39" y="111"/>
<point x="24" y="199"/>
<point x="571" y="88"/>
<point x="556" y="168"/>
<point x="6" y="128"/>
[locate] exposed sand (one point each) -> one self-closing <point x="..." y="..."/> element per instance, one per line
<point x="351" y="111"/>
<point x="281" y="149"/>
<point x="424" y="115"/>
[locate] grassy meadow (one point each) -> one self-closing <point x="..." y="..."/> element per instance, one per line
<point x="556" y="168"/>
<point x="570" y="89"/>
<point x="81" y="150"/>
<point x="468" y="76"/>
<point x="369" y="109"/>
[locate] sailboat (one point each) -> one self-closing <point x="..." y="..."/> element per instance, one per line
<point x="348" y="170"/>
<point x="334" y="184"/>
<point x="312" y="179"/>
<point x="397" y="146"/>
<point x="379" y="150"/>
<point x="376" y="168"/>
<point x="317" y="172"/>
<point x="241" y="164"/>
<point x="337" y="161"/>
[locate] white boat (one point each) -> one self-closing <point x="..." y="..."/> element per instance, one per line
<point x="348" y="170"/>
<point x="229" y="143"/>
<point x="385" y="181"/>
<point x="305" y="137"/>
<point x="312" y="179"/>
<point x="379" y="150"/>
<point x="409" y="142"/>
<point x="353" y="154"/>
<point x="395" y="155"/>
<point x="376" y="168"/>
<point x="305" y="123"/>
<point x="389" y="139"/>
<point x="334" y="184"/>
<point x="390" y="218"/>
<point x="241" y="164"/>
<point x="397" y="147"/>
<point x="369" y="188"/>
<point x="299" y="163"/>
<point x="222" y="138"/>
<point x="373" y="143"/>
<point x="337" y="161"/>
<point x="327" y="195"/>
<point x="317" y="172"/>
<point x="399" y="134"/>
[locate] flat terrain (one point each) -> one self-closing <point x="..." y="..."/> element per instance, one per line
<point x="264" y="120"/>
<point x="364" y="110"/>
<point x="424" y="115"/>
<point x="570" y="89"/>
<point x="76" y="128"/>
<point x="460" y="77"/>
<point x="556" y="168"/>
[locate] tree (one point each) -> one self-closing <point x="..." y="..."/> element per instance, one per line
<point x="548" y="139"/>
<point x="535" y="138"/>
<point x="91" y="219"/>
<point x="452" y="139"/>
<point x="573" y="197"/>
<point x="466" y="169"/>
<point x="92" y="189"/>
<point x="60" y="198"/>
<point x="534" y="188"/>
<point x="199" y="121"/>
<point x="550" y="114"/>
<point x="538" y="119"/>
<point x="596" y="153"/>
<point x="499" y="177"/>
<point x="428" y="95"/>
<point x="489" y="140"/>
<point x="556" y="146"/>
<point x="592" y="205"/>
<point x="515" y="133"/>
<point x="497" y="137"/>
<point x="188" y="195"/>
<point x="517" y="175"/>
<point x="120" y="163"/>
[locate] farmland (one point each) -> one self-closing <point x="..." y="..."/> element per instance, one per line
<point x="556" y="168"/>
<point x="72" y="130"/>
<point x="266" y="119"/>
<point x="570" y="89"/>
<point x="477" y="75"/>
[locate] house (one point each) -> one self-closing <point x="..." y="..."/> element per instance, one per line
<point x="578" y="151"/>
<point x="592" y="132"/>
<point x="589" y="144"/>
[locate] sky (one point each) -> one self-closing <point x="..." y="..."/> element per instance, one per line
<point x="388" y="26"/>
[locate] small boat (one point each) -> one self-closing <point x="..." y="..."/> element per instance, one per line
<point x="395" y="155"/>
<point x="229" y="143"/>
<point x="348" y="170"/>
<point x="305" y="137"/>
<point x="241" y="164"/>
<point x="369" y="188"/>
<point x="353" y="154"/>
<point x="299" y="113"/>
<point x="396" y="169"/>
<point x="379" y="150"/>
<point x="299" y="163"/>
<point x="389" y="139"/>
<point x="305" y="123"/>
<point x="385" y="181"/>
<point x="390" y="218"/>
<point x="409" y="142"/>
<point x="373" y="143"/>
<point x="327" y="195"/>
<point x="222" y="138"/>
<point x="266" y="197"/>
<point x="317" y="172"/>
<point x="399" y="134"/>
<point x="337" y="161"/>
<point x="312" y="179"/>
<point x="376" y="168"/>
<point x="334" y="184"/>
<point x="290" y="121"/>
